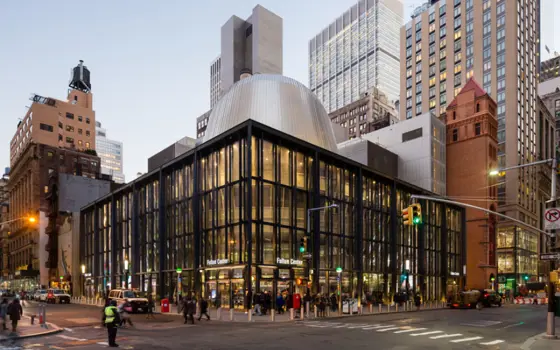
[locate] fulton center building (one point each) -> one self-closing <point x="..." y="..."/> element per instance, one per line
<point x="226" y="218"/>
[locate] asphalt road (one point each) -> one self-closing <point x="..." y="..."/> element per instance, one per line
<point x="498" y="328"/>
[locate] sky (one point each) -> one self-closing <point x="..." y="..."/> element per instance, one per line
<point x="149" y="60"/>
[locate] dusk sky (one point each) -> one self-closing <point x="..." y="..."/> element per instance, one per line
<point x="149" y="60"/>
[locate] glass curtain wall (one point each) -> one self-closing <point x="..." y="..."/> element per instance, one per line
<point x="376" y="239"/>
<point x="123" y="237"/>
<point x="149" y="237"/>
<point x="337" y="185"/>
<point x="206" y="225"/>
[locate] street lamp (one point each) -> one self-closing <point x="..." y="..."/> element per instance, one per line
<point x="550" y="324"/>
<point x="30" y="219"/>
<point x="308" y="233"/>
<point x="126" y="272"/>
<point x="83" y="279"/>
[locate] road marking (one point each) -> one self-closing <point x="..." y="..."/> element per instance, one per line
<point x="482" y="324"/>
<point x="492" y="342"/>
<point x="388" y="329"/>
<point x="358" y="326"/>
<point x="70" y="338"/>
<point x="317" y="325"/>
<point x="341" y="326"/>
<point x="69" y="330"/>
<point x="411" y="330"/>
<point x="465" y="339"/>
<point x="514" y="325"/>
<point x="425" y="333"/>
<point x="103" y="343"/>
<point x="446" y="336"/>
<point x="378" y="326"/>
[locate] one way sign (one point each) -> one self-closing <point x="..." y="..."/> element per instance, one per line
<point x="552" y="219"/>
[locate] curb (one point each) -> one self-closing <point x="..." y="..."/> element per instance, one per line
<point x="55" y="330"/>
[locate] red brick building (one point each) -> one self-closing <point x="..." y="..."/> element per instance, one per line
<point x="472" y="145"/>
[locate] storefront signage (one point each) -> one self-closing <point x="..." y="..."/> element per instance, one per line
<point x="217" y="262"/>
<point x="452" y="273"/>
<point x="282" y="261"/>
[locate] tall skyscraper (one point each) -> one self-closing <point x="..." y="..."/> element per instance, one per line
<point x="250" y="46"/>
<point x="497" y="43"/>
<point x="357" y="52"/>
<point x="111" y="154"/>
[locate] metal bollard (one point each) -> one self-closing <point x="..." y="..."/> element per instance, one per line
<point x="33" y="319"/>
<point x="301" y="313"/>
<point x="291" y="314"/>
<point x="315" y="311"/>
<point x="219" y="314"/>
<point x="328" y="310"/>
<point x="249" y="315"/>
<point x="307" y="309"/>
<point x="396" y="307"/>
<point x="231" y="314"/>
<point x="272" y="315"/>
<point x="379" y="308"/>
<point x="370" y="308"/>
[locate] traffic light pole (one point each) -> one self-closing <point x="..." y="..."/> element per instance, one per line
<point x="550" y="321"/>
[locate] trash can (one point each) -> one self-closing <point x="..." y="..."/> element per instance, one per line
<point x="164" y="305"/>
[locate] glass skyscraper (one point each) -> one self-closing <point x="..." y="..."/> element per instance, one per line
<point x="111" y="154"/>
<point x="356" y="52"/>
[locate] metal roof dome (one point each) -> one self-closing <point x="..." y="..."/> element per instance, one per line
<point x="277" y="101"/>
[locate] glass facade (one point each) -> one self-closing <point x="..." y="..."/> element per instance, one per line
<point x="357" y="52"/>
<point x="227" y="218"/>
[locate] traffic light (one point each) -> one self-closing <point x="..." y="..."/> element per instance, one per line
<point x="407" y="216"/>
<point x="416" y="214"/>
<point x="303" y="245"/>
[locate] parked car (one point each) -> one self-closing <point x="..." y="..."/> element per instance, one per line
<point x="138" y="303"/>
<point x="57" y="296"/>
<point x="488" y="297"/>
<point x="38" y="293"/>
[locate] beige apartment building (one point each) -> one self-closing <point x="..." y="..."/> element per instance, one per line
<point x="65" y="124"/>
<point x="371" y="112"/>
<point x="54" y="136"/>
<point x="497" y="43"/>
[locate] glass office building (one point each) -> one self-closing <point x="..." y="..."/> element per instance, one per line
<point x="227" y="217"/>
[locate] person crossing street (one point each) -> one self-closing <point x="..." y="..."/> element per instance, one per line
<point x="112" y="320"/>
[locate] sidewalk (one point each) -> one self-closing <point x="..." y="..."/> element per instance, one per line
<point x="26" y="330"/>
<point x="241" y="316"/>
<point x="538" y="342"/>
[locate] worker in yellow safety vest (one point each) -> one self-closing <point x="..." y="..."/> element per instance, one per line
<point x="111" y="320"/>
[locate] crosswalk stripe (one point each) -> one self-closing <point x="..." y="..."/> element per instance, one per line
<point x="70" y="338"/>
<point x="388" y="329"/>
<point x="492" y="342"/>
<point x="377" y="327"/>
<point x="465" y="339"/>
<point x="411" y="330"/>
<point x="425" y="333"/>
<point x="317" y="325"/>
<point x="341" y="326"/>
<point x="358" y="326"/>
<point x="446" y="336"/>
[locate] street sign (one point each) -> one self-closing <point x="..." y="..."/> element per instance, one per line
<point x="552" y="219"/>
<point x="550" y="256"/>
<point x="307" y="256"/>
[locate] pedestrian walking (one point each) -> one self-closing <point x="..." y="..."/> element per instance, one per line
<point x="417" y="301"/>
<point x="15" y="311"/>
<point x="204" y="309"/>
<point x="111" y="320"/>
<point x="124" y="311"/>
<point x="4" y="313"/>
<point x="279" y="303"/>
<point x="257" y="304"/>
<point x="188" y="308"/>
<point x="151" y="307"/>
